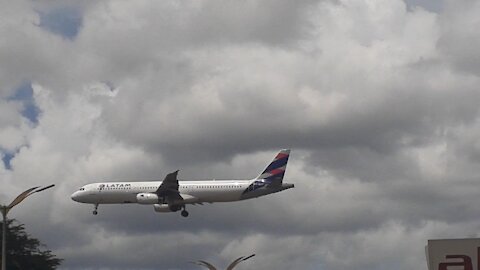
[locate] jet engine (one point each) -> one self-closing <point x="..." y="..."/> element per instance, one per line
<point x="163" y="208"/>
<point x="147" y="198"/>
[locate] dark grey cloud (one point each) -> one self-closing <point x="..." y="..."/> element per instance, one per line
<point x="435" y="6"/>
<point x="277" y="23"/>
<point x="459" y="39"/>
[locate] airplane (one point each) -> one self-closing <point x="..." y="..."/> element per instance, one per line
<point x="172" y="195"/>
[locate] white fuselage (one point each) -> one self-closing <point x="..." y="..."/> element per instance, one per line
<point x="171" y="194"/>
<point x="126" y="192"/>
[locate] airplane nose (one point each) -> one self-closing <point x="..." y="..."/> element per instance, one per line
<point x="75" y="196"/>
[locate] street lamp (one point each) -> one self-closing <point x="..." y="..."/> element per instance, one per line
<point x="237" y="261"/>
<point x="6" y="209"/>
<point x="230" y="267"/>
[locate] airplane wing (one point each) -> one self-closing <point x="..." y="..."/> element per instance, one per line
<point x="169" y="188"/>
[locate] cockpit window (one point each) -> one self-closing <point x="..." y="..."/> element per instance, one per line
<point x="82" y="188"/>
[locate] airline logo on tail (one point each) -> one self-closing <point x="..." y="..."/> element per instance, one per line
<point x="276" y="170"/>
<point x="272" y="176"/>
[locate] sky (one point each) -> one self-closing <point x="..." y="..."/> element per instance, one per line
<point x="378" y="101"/>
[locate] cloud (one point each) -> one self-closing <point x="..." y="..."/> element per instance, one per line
<point x="458" y="38"/>
<point x="378" y="101"/>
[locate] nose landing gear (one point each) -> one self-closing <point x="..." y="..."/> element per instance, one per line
<point x="95" y="212"/>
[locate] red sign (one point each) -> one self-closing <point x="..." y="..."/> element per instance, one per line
<point x="459" y="260"/>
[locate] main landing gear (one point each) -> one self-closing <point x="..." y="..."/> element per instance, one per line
<point x="184" y="212"/>
<point x="95" y="212"/>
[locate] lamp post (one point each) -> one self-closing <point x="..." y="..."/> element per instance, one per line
<point x="230" y="267"/>
<point x="6" y="209"/>
<point x="237" y="261"/>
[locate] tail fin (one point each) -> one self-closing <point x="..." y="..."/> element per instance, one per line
<point x="276" y="169"/>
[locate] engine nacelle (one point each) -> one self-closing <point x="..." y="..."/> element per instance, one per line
<point x="162" y="208"/>
<point x="147" y="198"/>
